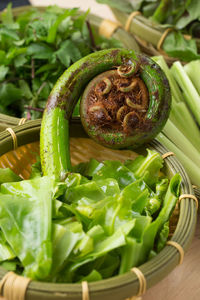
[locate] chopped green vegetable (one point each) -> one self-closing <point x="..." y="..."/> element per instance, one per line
<point x="114" y="216"/>
<point x="25" y="219"/>
<point x="146" y="167"/>
<point x="7" y="175"/>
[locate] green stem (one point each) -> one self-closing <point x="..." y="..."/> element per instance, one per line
<point x="192" y="97"/>
<point x="161" y="12"/>
<point x="191" y="167"/>
<point x="54" y="138"/>
<point x="181" y="142"/>
<point x="176" y="93"/>
<point x="183" y="120"/>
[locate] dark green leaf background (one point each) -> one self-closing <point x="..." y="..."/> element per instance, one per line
<point x="36" y="48"/>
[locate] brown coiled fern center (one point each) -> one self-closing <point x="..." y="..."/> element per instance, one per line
<point x="116" y="100"/>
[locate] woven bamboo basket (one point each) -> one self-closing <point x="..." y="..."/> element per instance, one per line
<point x="149" y="36"/>
<point x="103" y="27"/>
<point x="25" y="138"/>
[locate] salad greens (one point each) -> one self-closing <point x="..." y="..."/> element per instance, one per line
<point x="103" y="219"/>
<point x="181" y="15"/>
<point x="36" y="47"/>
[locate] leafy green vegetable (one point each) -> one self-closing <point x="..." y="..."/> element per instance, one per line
<point x="36" y="48"/>
<point x="7" y="175"/>
<point x="191" y="13"/>
<point x="94" y="224"/>
<point x="177" y="46"/>
<point x="6" y="252"/>
<point x="146" y="167"/>
<point x="162" y="238"/>
<point x="25" y="219"/>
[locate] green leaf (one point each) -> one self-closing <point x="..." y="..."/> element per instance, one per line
<point x="20" y="61"/>
<point x="124" y="6"/>
<point x="68" y="52"/>
<point x="10" y="265"/>
<point x="162" y="237"/>
<point x="146" y="167"/>
<point x="192" y="13"/>
<point x="53" y="29"/>
<point x="2" y="57"/>
<point x="3" y="72"/>
<point x="9" y="93"/>
<point x="26" y="91"/>
<point x="40" y="51"/>
<point x="36" y="170"/>
<point x="9" y="33"/>
<point x="25" y="219"/>
<point x="6" y="251"/>
<point x="137" y="193"/>
<point x="115" y="170"/>
<point x="89" y="190"/>
<point x="6" y="15"/>
<point x="156" y="226"/>
<point x="176" y="45"/>
<point x="64" y="242"/>
<point x="13" y="53"/>
<point x="7" y="175"/>
<point x="92" y="276"/>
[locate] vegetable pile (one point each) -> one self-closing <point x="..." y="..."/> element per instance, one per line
<point x="96" y="219"/>
<point x="36" y="47"/>
<point x="103" y="219"/>
<point x="181" y="16"/>
<point x="181" y="133"/>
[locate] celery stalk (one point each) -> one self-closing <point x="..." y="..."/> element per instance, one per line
<point x="183" y="120"/>
<point x="192" y="169"/>
<point x="176" y="93"/>
<point x="175" y="135"/>
<point x="193" y="71"/>
<point x="192" y="97"/>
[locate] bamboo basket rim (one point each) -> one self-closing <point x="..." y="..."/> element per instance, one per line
<point x="154" y="270"/>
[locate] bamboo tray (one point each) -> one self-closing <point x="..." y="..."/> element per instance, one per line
<point x="82" y="148"/>
<point x="104" y="28"/>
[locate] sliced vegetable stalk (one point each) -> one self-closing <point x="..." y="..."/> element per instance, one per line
<point x="192" y="96"/>
<point x="193" y="71"/>
<point x="181" y="142"/>
<point x="181" y="117"/>
<point x="179" y="111"/>
<point x="191" y="167"/>
<point x="176" y="93"/>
